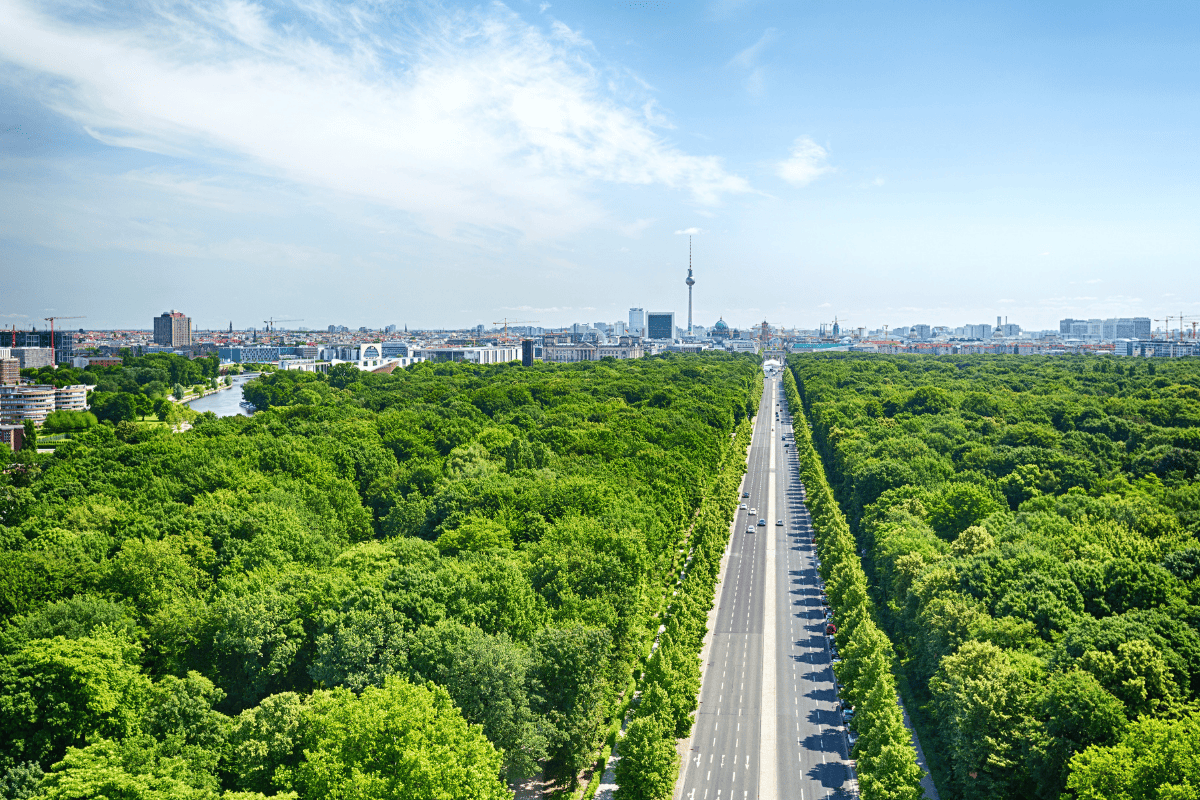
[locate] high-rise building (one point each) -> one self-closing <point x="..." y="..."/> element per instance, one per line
<point x="660" y="325"/>
<point x="173" y="329"/>
<point x="920" y="331"/>
<point x="637" y="321"/>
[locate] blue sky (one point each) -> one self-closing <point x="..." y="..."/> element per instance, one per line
<point x="449" y="164"/>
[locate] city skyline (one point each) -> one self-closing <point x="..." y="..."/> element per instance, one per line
<point x="885" y="165"/>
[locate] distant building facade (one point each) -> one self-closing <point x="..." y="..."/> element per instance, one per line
<point x="474" y="355"/>
<point x="173" y="329"/>
<point x="10" y="371"/>
<point x="83" y="362"/>
<point x="33" y="357"/>
<point x="20" y="403"/>
<point x="13" y="436"/>
<point x="637" y="321"/>
<point x="660" y="325"/>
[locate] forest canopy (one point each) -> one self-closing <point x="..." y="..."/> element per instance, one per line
<point x="1029" y="527"/>
<point x="450" y="568"/>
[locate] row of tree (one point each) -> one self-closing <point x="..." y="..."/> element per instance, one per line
<point x="1029" y="529"/>
<point x="498" y="536"/>
<point x="649" y="764"/>
<point x="886" y="759"/>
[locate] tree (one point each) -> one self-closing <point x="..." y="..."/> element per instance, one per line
<point x="178" y="391"/>
<point x="485" y="675"/>
<point x="1078" y="714"/>
<point x="958" y="507"/>
<point x="568" y="689"/>
<point x="29" y="439"/>
<point x="55" y="693"/>
<point x="394" y="741"/>
<point x="264" y="739"/>
<point x="648" y="764"/>
<point x="1155" y="760"/>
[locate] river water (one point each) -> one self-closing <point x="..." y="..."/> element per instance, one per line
<point x="225" y="403"/>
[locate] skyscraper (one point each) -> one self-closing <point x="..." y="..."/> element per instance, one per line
<point x="637" y="321"/>
<point x="173" y="329"/>
<point x="690" y="283"/>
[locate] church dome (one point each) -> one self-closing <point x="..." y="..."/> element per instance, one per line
<point x="721" y="326"/>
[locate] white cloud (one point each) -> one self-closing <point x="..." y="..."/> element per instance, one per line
<point x="806" y="163"/>
<point x="748" y="60"/>
<point x="689" y="232"/>
<point x="749" y="57"/>
<point x="457" y="117"/>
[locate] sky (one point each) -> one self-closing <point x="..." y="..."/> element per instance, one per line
<point x="442" y="165"/>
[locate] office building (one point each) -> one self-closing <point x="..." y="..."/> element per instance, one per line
<point x="637" y="321"/>
<point x="981" y="331"/>
<point x="33" y="357"/>
<point x="10" y="371"/>
<point x="488" y="354"/>
<point x="253" y="354"/>
<point x="660" y="325"/>
<point x="920" y="331"/>
<point x="173" y="329"/>
<point x="63" y="342"/>
<point x="395" y="349"/>
<point x="1126" y="328"/>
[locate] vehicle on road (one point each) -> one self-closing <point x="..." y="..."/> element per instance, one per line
<point x="762" y="523"/>
<point x="778" y="523"/>
<point x="750" y="529"/>
<point x="745" y="494"/>
<point x="742" y="507"/>
<point x="753" y="512"/>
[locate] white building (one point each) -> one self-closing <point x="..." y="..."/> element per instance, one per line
<point x="489" y="354"/>
<point x="637" y="321"/>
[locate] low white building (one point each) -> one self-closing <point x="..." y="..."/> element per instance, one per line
<point x="489" y="354"/>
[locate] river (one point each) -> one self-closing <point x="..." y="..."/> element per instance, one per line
<point x="227" y="402"/>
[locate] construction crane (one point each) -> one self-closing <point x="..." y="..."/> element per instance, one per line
<point x="270" y="323"/>
<point x="506" y="321"/>
<point x="1182" y="320"/>
<point x="53" y="360"/>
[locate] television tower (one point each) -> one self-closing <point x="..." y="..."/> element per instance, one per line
<point x="690" y="283"/>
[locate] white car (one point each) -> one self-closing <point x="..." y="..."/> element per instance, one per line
<point x="742" y="507"/>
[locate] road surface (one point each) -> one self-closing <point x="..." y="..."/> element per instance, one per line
<point x="768" y="725"/>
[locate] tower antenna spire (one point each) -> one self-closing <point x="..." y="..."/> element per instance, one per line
<point x="690" y="282"/>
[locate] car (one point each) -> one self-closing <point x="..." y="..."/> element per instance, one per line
<point x="778" y="523"/>
<point x="750" y="529"/>
<point x="753" y="512"/>
<point x="742" y="507"/>
<point x="762" y="523"/>
<point x="745" y="494"/>
<point x="852" y="738"/>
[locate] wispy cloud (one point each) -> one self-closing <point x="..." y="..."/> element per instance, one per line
<point x="748" y="60"/>
<point x="806" y="163"/>
<point x="454" y="116"/>
<point x="689" y="232"/>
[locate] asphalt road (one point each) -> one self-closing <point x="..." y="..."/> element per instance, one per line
<point x="768" y="724"/>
